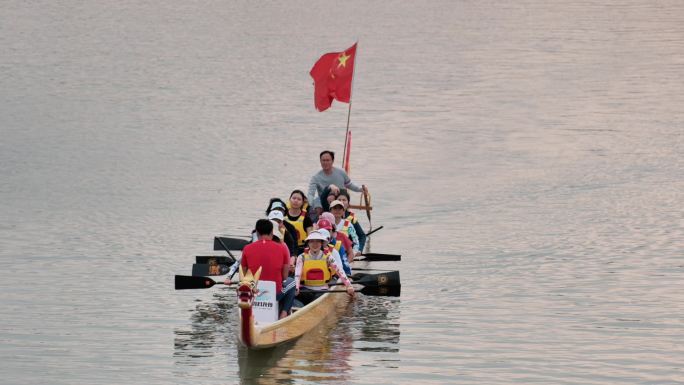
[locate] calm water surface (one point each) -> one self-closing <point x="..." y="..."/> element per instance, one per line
<point x="526" y="159"/>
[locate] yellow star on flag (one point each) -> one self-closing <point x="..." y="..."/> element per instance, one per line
<point x="343" y="60"/>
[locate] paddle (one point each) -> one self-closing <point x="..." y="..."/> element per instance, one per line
<point x="366" y="200"/>
<point x="372" y="280"/>
<point x="372" y="231"/>
<point x="388" y="279"/>
<point x="362" y="269"/>
<point x="203" y="269"/>
<point x="229" y="243"/>
<point x="378" y="257"/>
<point x="220" y="259"/>
<point x="220" y="241"/>
<point x="191" y="282"/>
<point x="386" y="291"/>
<point x="359" y="275"/>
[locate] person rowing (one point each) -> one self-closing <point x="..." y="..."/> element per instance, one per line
<point x="331" y="178"/>
<point x="276" y="211"/>
<point x="315" y="267"/>
<point x="343" y="197"/>
<point x="344" y="226"/>
<point x="326" y="228"/>
<point x="346" y="242"/>
<point x="274" y="261"/>
<point x="297" y="216"/>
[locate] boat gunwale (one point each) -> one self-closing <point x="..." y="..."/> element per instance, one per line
<point x="295" y="315"/>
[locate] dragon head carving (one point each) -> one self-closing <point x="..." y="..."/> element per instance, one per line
<point x="247" y="288"/>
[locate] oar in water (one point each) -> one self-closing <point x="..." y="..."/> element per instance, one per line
<point x="378" y="257"/>
<point x="230" y="243"/>
<point x="371" y="280"/>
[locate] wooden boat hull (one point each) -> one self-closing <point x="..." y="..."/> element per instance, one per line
<point x="287" y="329"/>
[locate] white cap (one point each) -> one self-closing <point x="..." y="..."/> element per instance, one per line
<point x="317" y="235"/>
<point x="277" y="205"/>
<point x="325" y="233"/>
<point x="336" y="203"/>
<point x="276" y="214"/>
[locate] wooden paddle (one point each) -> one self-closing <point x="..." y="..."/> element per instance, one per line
<point x="183" y="282"/>
<point x="378" y="257"/>
<point x="366" y="200"/>
<point x="228" y="243"/>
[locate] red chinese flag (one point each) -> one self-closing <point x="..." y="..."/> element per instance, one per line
<point x="332" y="75"/>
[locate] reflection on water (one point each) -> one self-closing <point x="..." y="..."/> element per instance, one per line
<point x="379" y="328"/>
<point x="210" y="322"/>
<point x="324" y="355"/>
<point x="528" y="154"/>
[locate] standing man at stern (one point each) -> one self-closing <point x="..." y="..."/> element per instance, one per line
<point x="329" y="181"/>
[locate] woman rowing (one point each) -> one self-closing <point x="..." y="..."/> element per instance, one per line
<point x="344" y="225"/>
<point x="346" y="242"/>
<point x="343" y="197"/>
<point x="296" y="216"/>
<point x="326" y="228"/>
<point x="315" y="267"/>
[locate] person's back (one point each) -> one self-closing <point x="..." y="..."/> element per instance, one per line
<point x="274" y="260"/>
<point x="270" y="256"/>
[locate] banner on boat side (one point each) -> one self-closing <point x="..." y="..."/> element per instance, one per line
<point x="265" y="306"/>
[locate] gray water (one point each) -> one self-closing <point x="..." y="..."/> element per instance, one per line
<point x="526" y="159"/>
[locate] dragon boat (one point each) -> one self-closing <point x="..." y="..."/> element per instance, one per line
<point x="255" y="297"/>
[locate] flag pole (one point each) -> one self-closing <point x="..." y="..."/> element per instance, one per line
<point x="351" y="93"/>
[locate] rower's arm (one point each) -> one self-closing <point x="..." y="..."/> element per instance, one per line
<point x="314" y="200"/>
<point x="298" y="270"/>
<point x="334" y="265"/>
<point x="354" y="238"/>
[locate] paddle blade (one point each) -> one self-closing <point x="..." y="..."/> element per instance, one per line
<point x="379" y="257"/>
<point x="188" y="282"/>
<point x="229" y="243"/>
<point x="209" y="259"/>
<point x="201" y="269"/>
<point x="388" y="279"/>
<point x="383" y="291"/>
